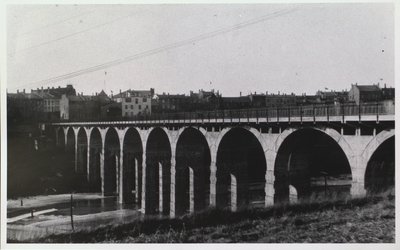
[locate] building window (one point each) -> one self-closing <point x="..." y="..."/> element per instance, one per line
<point x="136" y="101"/>
<point x="144" y="99"/>
<point x="131" y="106"/>
<point x="128" y="99"/>
<point x="140" y="106"/>
<point x="126" y="106"/>
<point x="126" y="113"/>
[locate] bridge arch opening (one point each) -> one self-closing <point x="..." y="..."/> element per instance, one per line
<point x="70" y="148"/>
<point x="192" y="172"/>
<point x="379" y="175"/>
<point x="158" y="172"/>
<point x="94" y="177"/>
<point x="314" y="165"/>
<point x="82" y="153"/>
<point x="111" y="162"/>
<point x="133" y="156"/>
<point x="61" y="138"/>
<point x="70" y="140"/>
<point x="241" y="168"/>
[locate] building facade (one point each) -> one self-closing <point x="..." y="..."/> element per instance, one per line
<point x="135" y="103"/>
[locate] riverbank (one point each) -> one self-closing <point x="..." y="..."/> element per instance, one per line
<point x="369" y="219"/>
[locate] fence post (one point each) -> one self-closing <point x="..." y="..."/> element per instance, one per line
<point x="313" y="107"/>
<point x="327" y="112"/>
<point x="301" y="113"/>
<point x="72" y="217"/>
<point x="377" y="112"/>
<point x="277" y="114"/>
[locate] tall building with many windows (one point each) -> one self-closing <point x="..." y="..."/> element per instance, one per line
<point x="135" y="103"/>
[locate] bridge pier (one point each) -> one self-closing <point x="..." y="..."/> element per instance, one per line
<point x="102" y="156"/>
<point x="136" y="181"/>
<point x="144" y="182"/>
<point x="173" y="184"/>
<point x="191" y="190"/>
<point x="160" y="188"/>
<point x="88" y="134"/>
<point x="76" y="130"/>
<point x="213" y="184"/>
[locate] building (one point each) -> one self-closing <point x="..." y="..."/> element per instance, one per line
<point x="280" y="100"/>
<point x="204" y="100"/>
<point x="364" y="93"/>
<point x="56" y="92"/>
<point x="237" y="102"/>
<point x="24" y="107"/>
<point x="333" y="97"/>
<point x="83" y="107"/>
<point x="135" y="102"/>
<point x="258" y="100"/>
<point x="388" y="93"/>
<point x="166" y="103"/>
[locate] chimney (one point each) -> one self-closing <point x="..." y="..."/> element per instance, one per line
<point x="24" y="91"/>
<point x="240" y="94"/>
<point x="42" y="88"/>
<point x="58" y="86"/>
<point x="17" y="91"/>
<point x="385" y="85"/>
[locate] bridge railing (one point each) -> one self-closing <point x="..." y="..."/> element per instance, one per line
<point x="327" y="111"/>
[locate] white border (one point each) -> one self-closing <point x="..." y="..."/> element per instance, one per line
<point x="3" y="74"/>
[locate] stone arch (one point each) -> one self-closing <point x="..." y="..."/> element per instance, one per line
<point x="111" y="161"/>
<point x="192" y="170"/>
<point x="378" y="160"/>
<point x="61" y="137"/>
<point x="132" y="165"/>
<point x="82" y="151"/>
<point x="373" y="145"/>
<point x="294" y="165"/>
<point x="70" y="139"/>
<point x="158" y="152"/>
<point x="95" y="147"/>
<point x="241" y="181"/>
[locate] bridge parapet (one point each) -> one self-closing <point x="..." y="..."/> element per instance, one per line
<point x="311" y="113"/>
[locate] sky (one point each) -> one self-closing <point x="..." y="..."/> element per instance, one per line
<point x="299" y="48"/>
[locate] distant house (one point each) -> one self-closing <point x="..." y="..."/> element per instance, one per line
<point x="237" y="102"/>
<point x="166" y="103"/>
<point x="135" y="102"/>
<point x="333" y="97"/>
<point x="83" y="107"/>
<point x="24" y="107"/>
<point x="280" y="100"/>
<point x="364" y="93"/>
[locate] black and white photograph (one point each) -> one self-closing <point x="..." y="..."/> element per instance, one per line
<point x="212" y="123"/>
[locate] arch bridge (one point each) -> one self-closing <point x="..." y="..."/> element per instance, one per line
<point x="173" y="165"/>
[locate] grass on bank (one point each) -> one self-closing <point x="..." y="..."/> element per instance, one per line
<point x="368" y="219"/>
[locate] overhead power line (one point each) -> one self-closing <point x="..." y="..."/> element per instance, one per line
<point x="72" y="34"/>
<point x="160" y="49"/>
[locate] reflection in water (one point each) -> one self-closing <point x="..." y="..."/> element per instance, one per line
<point x="80" y="207"/>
